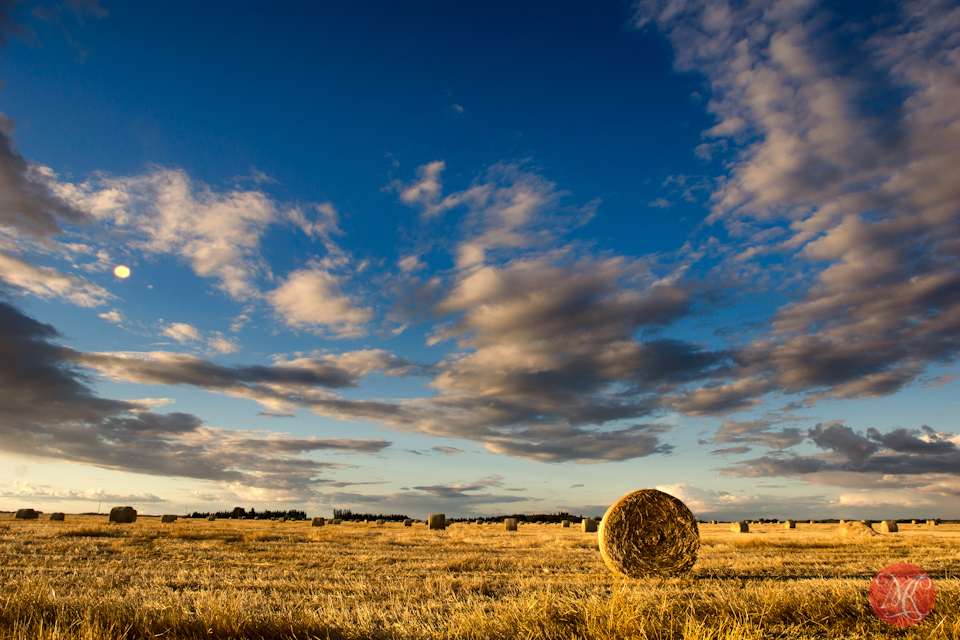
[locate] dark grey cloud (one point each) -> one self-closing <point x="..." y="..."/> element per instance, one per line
<point x="49" y="410"/>
<point x="730" y="451"/>
<point x="845" y="441"/>
<point x="10" y="27"/>
<point x="899" y="452"/>
<point x="461" y="490"/>
<point x="27" y="202"/>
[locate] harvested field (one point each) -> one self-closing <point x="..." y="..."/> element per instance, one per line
<point x="88" y="579"/>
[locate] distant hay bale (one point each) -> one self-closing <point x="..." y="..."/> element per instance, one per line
<point x="381" y="521"/>
<point x="789" y="524"/>
<point x="317" y="522"/>
<point x="932" y="523"/>
<point x="889" y="526"/>
<point x="57" y="517"/>
<point x="337" y="521"/>
<point x="479" y="521"/>
<point x="588" y="525"/>
<point x="856" y="530"/>
<point x="510" y="524"/>
<point x="168" y="518"/>
<point x="740" y="527"/>
<point x="26" y="514"/>
<point x="713" y="522"/>
<point x="812" y="522"/>
<point x="437" y="521"/>
<point x="648" y="532"/>
<point x="565" y="524"/>
<point x="913" y="522"/>
<point x="211" y="518"/>
<point x="843" y="522"/>
<point x="123" y="515"/>
<point x="408" y="522"/>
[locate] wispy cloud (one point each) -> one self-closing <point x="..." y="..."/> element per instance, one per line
<point x="863" y="205"/>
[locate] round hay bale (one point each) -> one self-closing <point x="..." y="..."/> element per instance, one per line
<point x="648" y="532"/>
<point x="913" y="522"/>
<point x="565" y="524"/>
<point x="932" y="523"/>
<point x="168" y="518"/>
<point x="211" y="518"/>
<point x="123" y="515"/>
<point x="437" y="521"/>
<point x="479" y="521"/>
<point x="713" y="522"/>
<point x="408" y="522"/>
<point x="812" y="522"/>
<point x="843" y="522"/>
<point x="589" y="525"/>
<point x="856" y="530"/>
<point x="510" y="524"/>
<point x="889" y="526"/>
<point x="789" y="524"/>
<point x="317" y="522"/>
<point x="381" y="521"/>
<point x="740" y="527"/>
<point x="26" y="514"/>
<point x="57" y="517"/>
<point x="337" y="521"/>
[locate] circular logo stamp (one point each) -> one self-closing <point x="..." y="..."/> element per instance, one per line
<point x="902" y="594"/>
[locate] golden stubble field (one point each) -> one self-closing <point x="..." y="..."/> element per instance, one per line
<point x="86" y="578"/>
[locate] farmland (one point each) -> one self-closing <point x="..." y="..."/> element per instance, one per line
<point x="87" y="579"/>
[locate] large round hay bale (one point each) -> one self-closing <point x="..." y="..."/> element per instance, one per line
<point x="510" y="524"/>
<point x="317" y="522"/>
<point x="740" y="527"/>
<point x="381" y="521"/>
<point x="932" y="523"/>
<point x="648" y="532"/>
<point x="57" y="517"/>
<point x="437" y="521"/>
<point x="889" y="526"/>
<point x="565" y="524"/>
<point x="589" y="525"/>
<point x="856" y="530"/>
<point x="26" y="514"/>
<point x="211" y="518"/>
<point x="408" y="522"/>
<point x="789" y="524"/>
<point x="337" y="521"/>
<point x="123" y="515"/>
<point x="168" y="518"/>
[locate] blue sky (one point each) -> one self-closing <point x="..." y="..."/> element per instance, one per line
<point x="427" y="257"/>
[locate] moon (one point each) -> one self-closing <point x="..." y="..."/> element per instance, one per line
<point x="121" y="271"/>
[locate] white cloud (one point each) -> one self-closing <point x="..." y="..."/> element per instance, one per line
<point x="113" y="316"/>
<point x="167" y="213"/>
<point x="410" y="264"/>
<point x="425" y="192"/>
<point x="181" y="332"/>
<point x="47" y="282"/>
<point x="219" y="344"/>
<point x="312" y="299"/>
